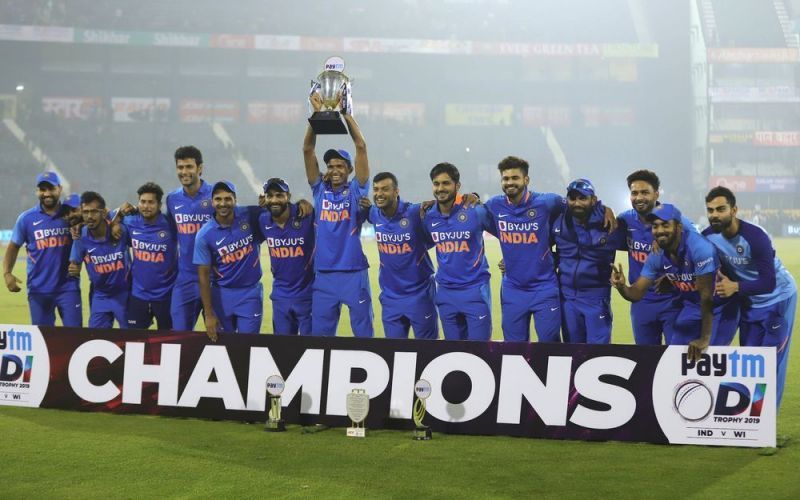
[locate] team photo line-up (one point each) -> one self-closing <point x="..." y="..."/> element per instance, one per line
<point x="686" y="287"/>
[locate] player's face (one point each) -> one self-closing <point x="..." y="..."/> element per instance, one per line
<point x="580" y="205"/>
<point x="277" y="201"/>
<point x="223" y="202"/>
<point x="643" y="197"/>
<point x="92" y="214"/>
<point x="149" y="206"/>
<point x="337" y="172"/>
<point x="720" y="214"/>
<point x="384" y="193"/>
<point x="48" y="195"/>
<point x="189" y="171"/>
<point x="665" y="232"/>
<point x="513" y="181"/>
<point x="445" y="188"/>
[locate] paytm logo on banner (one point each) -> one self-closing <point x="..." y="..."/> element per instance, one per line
<point x="725" y="397"/>
<point x="24" y="365"/>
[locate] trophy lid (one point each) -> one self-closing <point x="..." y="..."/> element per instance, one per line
<point x="334" y="63"/>
<point x="423" y="389"/>
<point x="275" y="385"/>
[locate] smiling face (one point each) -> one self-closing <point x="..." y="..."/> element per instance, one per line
<point x="385" y="193"/>
<point x="444" y="188"/>
<point x="580" y="205"/>
<point x="224" y="202"/>
<point x="513" y="182"/>
<point x="48" y="195"/>
<point x="643" y="197"/>
<point x="189" y="172"/>
<point x="337" y="173"/>
<point x="666" y="233"/>
<point x="720" y="214"/>
<point x="277" y="202"/>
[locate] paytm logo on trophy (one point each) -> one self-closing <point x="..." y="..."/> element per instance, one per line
<point x="333" y="87"/>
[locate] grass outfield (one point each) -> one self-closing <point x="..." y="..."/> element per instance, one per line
<point x="52" y="453"/>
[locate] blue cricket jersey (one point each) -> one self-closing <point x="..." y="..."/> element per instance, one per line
<point x="338" y="226"/>
<point x="231" y="251"/>
<point x="749" y="258"/>
<point x="459" y="244"/>
<point x="406" y="267"/>
<point x="189" y="213"/>
<point x="696" y="257"/>
<point x="48" y="244"/>
<point x="107" y="261"/>
<point x="524" y="234"/>
<point x="155" y="255"/>
<point x="291" y="253"/>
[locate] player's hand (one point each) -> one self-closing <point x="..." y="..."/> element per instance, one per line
<point x="116" y="231"/>
<point x="470" y="200"/>
<point x="74" y="269"/>
<point x="609" y="221"/>
<point x="655" y="247"/>
<point x="12" y="282"/>
<point x="262" y="201"/>
<point x="212" y="327"/>
<point x="75" y="231"/>
<point x="617" y="276"/>
<point x="304" y="209"/>
<point x="316" y="101"/>
<point x="663" y="285"/>
<point x="127" y="209"/>
<point x="724" y="286"/>
<point x="364" y="203"/>
<point x="425" y="206"/>
<point x="502" y="266"/>
<point x="696" y="348"/>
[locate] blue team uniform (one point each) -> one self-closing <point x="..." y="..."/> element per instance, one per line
<point x="463" y="294"/>
<point x="48" y="244"/>
<point x="767" y="290"/>
<point x="408" y="289"/>
<point x="153" y="271"/>
<point x="340" y="264"/>
<point x="291" y="252"/>
<point x="529" y="286"/>
<point x="232" y="253"/>
<point x="585" y="255"/>
<point x="188" y="214"/>
<point x="108" y="264"/>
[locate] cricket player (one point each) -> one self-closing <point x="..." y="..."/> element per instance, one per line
<point x="45" y="232"/>
<point x="229" y="270"/>
<point x="752" y="271"/>
<point x="340" y="265"/>
<point x="108" y="264"/>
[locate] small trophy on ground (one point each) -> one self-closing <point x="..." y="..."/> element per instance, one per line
<point x="357" y="409"/>
<point x="275" y="386"/>
<point x="422" y="390"/>
<point x="334" y="89"/>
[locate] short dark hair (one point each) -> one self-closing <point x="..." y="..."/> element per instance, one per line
<point x="724" y="192"/>
<point x="90" y="196"/>
<point x="647" y="176"/>
<point x="152" y="188"/>
<point x="382" y="176"/>
<point x="189" y="153"/>
<point x="510" y="162"/>
<point x="446" y="168"/>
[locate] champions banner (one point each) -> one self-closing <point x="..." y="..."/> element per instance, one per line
<point x="562" y="391"/>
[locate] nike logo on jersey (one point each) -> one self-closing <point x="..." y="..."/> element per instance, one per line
<point x="603" y="317"/>
<point x="177" y="207"/>
<point x="667" y="266"/>
<point x="362" y="301"/>
<point x="257" y="315"/>
<point x="501" y="216"/>
<point x="428" y="316"/>
<point x="557" y="230"/>
<point x="776" y="327"/>
<point x="91" y="250"/>
<point x="267" y="228"/>
<point x="434" y="224"/>
<point x="136" y="232"/>
<point x="481" y="317"/>
<point x="220" y="241"/>
<point x="37" y="222"/>
<point x="553" y="309"/>
<point x="378" y="225"/>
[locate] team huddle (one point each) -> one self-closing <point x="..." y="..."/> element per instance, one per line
<point x="203" y="255"/>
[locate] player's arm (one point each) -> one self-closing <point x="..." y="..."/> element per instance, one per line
<point x="9" y="259"/>
<point x="763" y="256"/>
<point x="634" y="292"/>
<point x="705" y="287"/>
<point x="204" y="280"/>
<point x="75" y="258"/>
<point x="361" y="167"/>
<point x="310" y="144"/>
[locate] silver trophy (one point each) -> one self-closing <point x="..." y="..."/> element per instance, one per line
<point x="334" y="88"/>
<point x="357" y="409"/>
<point x="275" y="386"/>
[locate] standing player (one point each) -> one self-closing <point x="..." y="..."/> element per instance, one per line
<point x="189" y="207"/>
<point x="752" y="270"/>
<point x="408" y="289"/>
<point x="155" y="253"/>
<point x="227" y="248"/>
<point x="690" y="263"/>
<point x="108" y="264"/>
<point x="340" y="264"/>
<point x="463" y="294"/>
<point x="44" y="230"/>
<point x="585" y="252"/>
<point x="290" y="239"/>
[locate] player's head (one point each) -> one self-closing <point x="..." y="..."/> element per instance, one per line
<point x="189" y="165"/>
<point x="48" y="189"/>
<point x="644" y="186"/>
<point x="513" y="175"/>
<point x="339" y="166"/>
<point x="278" y="196"/>
<point x="581" y="198"/>
<point x="223" y="197"/>
<point x="93" y="209"/>
<point x="446" y="182"/>
<point x="73" y="205"/>
<point x="385" y="192"/>
<point x="150" y="195"/>
<point x="666" y="223"/>
<point x="720" y="208"/>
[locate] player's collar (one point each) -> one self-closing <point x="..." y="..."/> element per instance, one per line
<point x="524" y="200"/>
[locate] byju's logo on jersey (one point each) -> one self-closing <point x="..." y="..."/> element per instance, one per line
<point x="24" y="365"/>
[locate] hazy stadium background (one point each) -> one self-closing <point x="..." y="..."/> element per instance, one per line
<point x="701" y="91"/>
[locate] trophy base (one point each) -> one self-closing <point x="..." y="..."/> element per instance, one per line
<point x="275" y="426"/>
<point x="327" y="123"/>
<point x="422" y="434"/>
<point x="356" y="432"/>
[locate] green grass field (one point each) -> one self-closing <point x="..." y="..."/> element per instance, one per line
<point x="61" y="454"/>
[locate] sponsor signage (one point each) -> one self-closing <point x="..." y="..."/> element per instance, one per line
<point x="736" y="183"/>
<point x="777" y="139"/>
<point x="754" y="94"/>
<point x="562" y="391"/>
<point x="199" y="110"/>
<point x="72" y="108"/>
<point x="479" y="115"/>
<point x="753" y="55"/>
<point x="275" y="112"/>
<point x="140" y="109"/>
